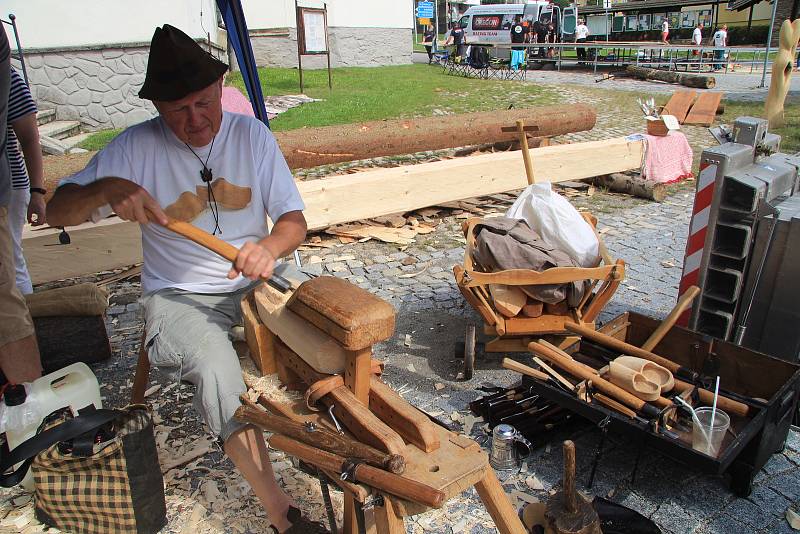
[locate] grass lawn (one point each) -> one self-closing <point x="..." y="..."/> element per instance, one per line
<point x="361" y="94"/>
<point x="789" y="132"/>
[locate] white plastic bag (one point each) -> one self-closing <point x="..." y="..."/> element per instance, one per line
<point x="557" y="222"/>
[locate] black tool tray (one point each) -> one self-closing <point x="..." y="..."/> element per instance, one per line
<point x="742" y="371"/>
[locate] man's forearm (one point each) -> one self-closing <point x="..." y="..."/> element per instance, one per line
<point x="32" y="152"/>
<point x="73" y="204"/>
<point x="287" y="234"/>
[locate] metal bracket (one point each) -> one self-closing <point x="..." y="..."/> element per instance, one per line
<point x="310" y="426"/>
<point x="372" y="501"/>
<point x="349" y="469"/>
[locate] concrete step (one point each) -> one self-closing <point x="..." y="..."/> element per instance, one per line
<point x="60" y="129"/>
<point x="74" y="140"/>
<point x="45" y="115"/>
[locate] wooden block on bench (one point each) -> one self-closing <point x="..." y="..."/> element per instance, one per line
<point x="353" y="316"/>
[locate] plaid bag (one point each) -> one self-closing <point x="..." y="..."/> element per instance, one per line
<point x="95" y="473"/>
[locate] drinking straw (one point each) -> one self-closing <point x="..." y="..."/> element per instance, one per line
<point x="695" y="419"/>
<point x="713" y="415"/>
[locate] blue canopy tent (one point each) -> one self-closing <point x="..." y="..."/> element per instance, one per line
<point x="233" y="15"/>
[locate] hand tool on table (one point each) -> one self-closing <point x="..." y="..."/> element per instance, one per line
<point x="582" y="371"/>
<point x="684" y="301"/>
<point x="515" y="407"/>
<point x="215" y="244"/>
<point x="355" y="471"/>
<point x="567" y="511"/>
<point x="319" y="437"/>
<point x="728" y="405"/>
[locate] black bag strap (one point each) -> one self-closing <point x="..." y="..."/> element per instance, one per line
<point x="70" y="429"/>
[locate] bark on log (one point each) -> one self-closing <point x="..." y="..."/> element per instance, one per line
<point x="631" y="185"/>
<point x="689" y="80"/>
<point x="66" y="340"/>
<point x="311" y="147"/>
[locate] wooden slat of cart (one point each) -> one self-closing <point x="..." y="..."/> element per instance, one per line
<point x="679" y="104"/>
<point x="704" y="110"/>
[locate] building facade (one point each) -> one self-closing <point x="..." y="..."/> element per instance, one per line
<point x="89" y="63"/>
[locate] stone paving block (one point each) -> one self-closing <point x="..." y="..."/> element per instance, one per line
<point x="673" y="517"/>
<point x="777" y="464"/>
<point x="358" y="271"/>
<point x="787" y="484"/>
<point x="392" y="271"/>
<point x="748" y="513"/>
<point x="336" y="267"/>
<point x="723" y="524"/>
<point x="769" y="501"/>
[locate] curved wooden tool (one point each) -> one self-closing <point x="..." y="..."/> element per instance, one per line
<point x="322" y="438"/>
<point x="582" y="372"/>
<point x="402" y="487"/>
<point x="683" y="304"/>
<point x="569" y="512"/>
<point x="730" y="406"/>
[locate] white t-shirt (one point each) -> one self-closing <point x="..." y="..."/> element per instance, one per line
<point x="245" y="153"/>
<point x="697" y="36"/>
<point x="581" y="31"/>
<point x="720" y="37"/>
<point x="664" y="26"/>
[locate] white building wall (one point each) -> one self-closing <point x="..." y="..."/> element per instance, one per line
<point x="82" y="23"/>
<point x="261" y="14"/>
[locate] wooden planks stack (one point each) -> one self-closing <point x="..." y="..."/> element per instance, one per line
<point x="689" y="107"/>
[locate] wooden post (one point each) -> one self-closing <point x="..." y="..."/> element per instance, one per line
<point x="386" y="519"/>
<point x="357" y="373"/>
<point x="497" y="504"/>
<point x="526" y="155"/>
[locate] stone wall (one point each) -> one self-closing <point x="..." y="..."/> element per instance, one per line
<point x="98" y="86"/>
<point x="350" y="47"/>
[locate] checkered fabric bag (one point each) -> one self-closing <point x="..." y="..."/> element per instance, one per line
<point x="97" y="473"/>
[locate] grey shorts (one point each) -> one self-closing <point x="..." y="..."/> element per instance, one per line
<point x="188" y="338"/>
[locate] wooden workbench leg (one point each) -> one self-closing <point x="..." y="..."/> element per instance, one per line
<point x="497" y="504"/>
<point x="350" y="523"/>
<point x="357" y="373"/>
<point x="386" y="519"/>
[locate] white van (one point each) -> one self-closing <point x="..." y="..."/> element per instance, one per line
<point x="491" y="24"/>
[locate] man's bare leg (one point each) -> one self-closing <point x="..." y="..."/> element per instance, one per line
<point x="247" y="450"/>
<point x="20" y="360"/>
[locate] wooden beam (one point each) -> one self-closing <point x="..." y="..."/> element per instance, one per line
<point x="370" y="194"/>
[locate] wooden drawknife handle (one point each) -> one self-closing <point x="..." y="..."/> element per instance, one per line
<point x="684" y="302"/>
<point x="202" y="238"/>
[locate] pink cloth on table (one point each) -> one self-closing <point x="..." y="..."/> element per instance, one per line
<point x="235" y="102"/>
<point x="668" y="158"/>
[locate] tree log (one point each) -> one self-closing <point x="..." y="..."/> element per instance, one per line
<point x="689" y="80"/>
<point x="311" y="147"/>
<point x="66" y="340"/>
<point x="631" y="185"/>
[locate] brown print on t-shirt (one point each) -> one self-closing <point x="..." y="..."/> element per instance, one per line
<point x="189" y="205"/>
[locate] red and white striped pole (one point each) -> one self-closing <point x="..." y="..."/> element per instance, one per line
<point x="698" y="229"/>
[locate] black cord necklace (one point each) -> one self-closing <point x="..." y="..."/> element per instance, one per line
<point x="207" y="175"/>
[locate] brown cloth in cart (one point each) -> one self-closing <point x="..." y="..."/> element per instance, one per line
<point x="502" y="243"/>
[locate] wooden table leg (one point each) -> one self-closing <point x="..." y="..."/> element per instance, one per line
<point x="386" y="519"/>
<point x="498" y="505"/>
<point x="357" y="373"/>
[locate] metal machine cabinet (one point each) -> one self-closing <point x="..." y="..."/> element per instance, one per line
<point x="750" y="191"/>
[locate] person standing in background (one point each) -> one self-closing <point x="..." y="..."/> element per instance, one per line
<point x="518" y="36"/>
<point x="665" y="31"/>
<point x="581" y="33"/>
<point x="697" y="38"/>
<point x="27" y="191"/>
<point x="427" y="41"/>
<point x="457" y="38"/>
<point x="19" y="353"/>
<point x="720" y="42"/>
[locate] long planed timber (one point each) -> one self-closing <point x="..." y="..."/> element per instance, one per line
<point x="311" y="147"/>
<point x="689" y="80"/>
<point x="364" y="195"/>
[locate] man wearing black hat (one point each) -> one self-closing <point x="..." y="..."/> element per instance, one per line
<point x="225" y="174"/>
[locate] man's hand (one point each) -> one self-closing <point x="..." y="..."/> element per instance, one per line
<point x="38" y="208"/>
<point x="254" y="261"/>
<point x="131" y="202"/>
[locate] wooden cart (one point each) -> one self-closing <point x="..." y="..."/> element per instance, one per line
<point x="514" y="334"/>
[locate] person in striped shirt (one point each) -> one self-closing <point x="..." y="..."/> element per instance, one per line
<point x="25" y="158"/>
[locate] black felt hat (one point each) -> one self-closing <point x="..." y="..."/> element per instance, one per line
<point x="178" y="66"/>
